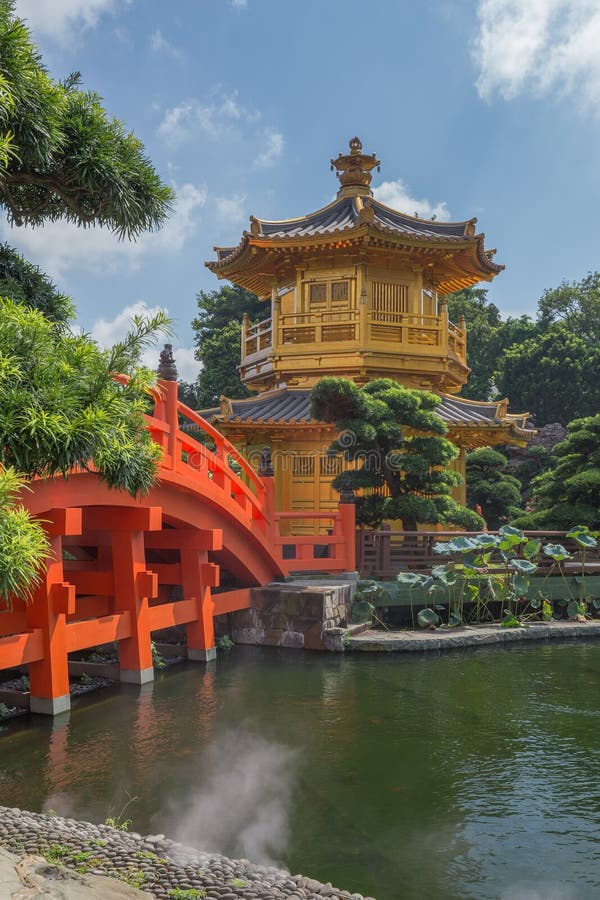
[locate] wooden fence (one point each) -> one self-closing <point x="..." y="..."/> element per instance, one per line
<point x="383" y="553"/>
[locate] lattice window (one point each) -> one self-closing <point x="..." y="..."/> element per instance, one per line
<point x="330" y="466"/>
<point x="303" y="465"/>
<point x="317" y="292"/>
<point x="389" y="301"/>
<point x="340" y="291"/>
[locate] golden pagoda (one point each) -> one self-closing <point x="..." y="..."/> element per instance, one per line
<point x="355" y="289"/>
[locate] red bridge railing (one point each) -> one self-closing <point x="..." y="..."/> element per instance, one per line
<point x="202" y="465"/>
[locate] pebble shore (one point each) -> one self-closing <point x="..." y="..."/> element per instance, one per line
<point x="153" y="863"/>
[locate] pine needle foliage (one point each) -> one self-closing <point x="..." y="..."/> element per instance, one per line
<point x="26" y="283"/>
<point x="569" y="491"/>
<point x="61" y="155"/>
<point x="396" y="443"/>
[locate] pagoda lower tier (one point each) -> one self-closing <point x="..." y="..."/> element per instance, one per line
<point x="281" y="420"/>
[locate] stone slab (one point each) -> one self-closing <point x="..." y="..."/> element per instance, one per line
<point x="468" y="636"/>
<point x="32" y="878"/>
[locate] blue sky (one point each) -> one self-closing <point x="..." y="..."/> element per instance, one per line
<point x="475" y="107"/>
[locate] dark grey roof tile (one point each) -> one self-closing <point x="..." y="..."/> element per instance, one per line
<point x="293" y="406"/>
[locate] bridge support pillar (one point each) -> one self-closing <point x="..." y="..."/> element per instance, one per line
<point x="133" y="588"/>
<point x="198" y="577"/>
<point x="52" y="601"/>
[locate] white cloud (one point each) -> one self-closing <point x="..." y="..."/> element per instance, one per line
<point x="214" y="118"/>
<point x="239" y="4"/>
<point x="272" y="150"/>
<point x="396" y="195"/>
<point x="539" y="47"/>
<point x="160" y="44"/>
<point x="108" y="331"/>
<point x="58" y="247"/>
<point x="188" y="368"/>
<point x="59" y="19"/>
<point x="224" y="118"/>
<point x="231" y="210"/>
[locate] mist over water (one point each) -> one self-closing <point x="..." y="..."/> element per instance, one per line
<point x="468" y="776"/>
<point x="240" y="802"/>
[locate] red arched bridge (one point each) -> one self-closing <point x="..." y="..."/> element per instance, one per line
<point x="122" y="568"/>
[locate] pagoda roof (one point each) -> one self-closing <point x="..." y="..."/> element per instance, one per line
<point x="271" y="250"/>
<point x="345" y="213"/>
<point x="285" y="406"/>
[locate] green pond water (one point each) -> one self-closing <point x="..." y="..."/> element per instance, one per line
<point x="463" y="775"/>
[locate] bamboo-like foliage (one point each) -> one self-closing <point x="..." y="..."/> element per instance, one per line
<point x="61" y="155"/>
<point x="60" y="407"/>
<point x="23" y="544"/>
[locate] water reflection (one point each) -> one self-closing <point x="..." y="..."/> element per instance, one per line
<point x="467" y="775"/>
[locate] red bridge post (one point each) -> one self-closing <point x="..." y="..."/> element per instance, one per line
<point x="53" y="600"/>
<point x="134" y="587"/>
<point x="198" y="576"/>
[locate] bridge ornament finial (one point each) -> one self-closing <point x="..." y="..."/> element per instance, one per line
<point x="167" y="370"/>
<point x="265" y="465"/>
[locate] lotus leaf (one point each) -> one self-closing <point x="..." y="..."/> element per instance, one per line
<point x="362" y="611"/>
<point x="458" y="545"/>
<point x="575" y="609"/>
<point x="410" y="578"/>
<point x="585" y="540"/>
<point x="509" y="620"/>
<point x="578" y="529"/>
<point x="531" y="549"/>
<point x="510" y="537"/>
<point x="556" y="552"/>
<point x="520" y="585"/>
<point x="487" y="540"/>
<point x="523" y="566"/>
<point x="427" y="617"/>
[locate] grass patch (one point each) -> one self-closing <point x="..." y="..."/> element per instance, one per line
<point x="186" y="894"/>
<point x="153" y="857"/>
<point x="133" y="877"/>
<point x="56" y="853"/>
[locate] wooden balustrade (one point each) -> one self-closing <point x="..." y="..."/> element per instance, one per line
<point x="403" y="330"/>
<point x="384" y="553"/>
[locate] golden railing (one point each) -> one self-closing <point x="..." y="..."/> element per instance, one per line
<point x="342" y="326"/>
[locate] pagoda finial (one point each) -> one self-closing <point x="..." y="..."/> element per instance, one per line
<point x="354" y="170"/>
<point x="166" y="364"/>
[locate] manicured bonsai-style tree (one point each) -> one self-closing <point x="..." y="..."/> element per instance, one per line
<point x="490" y="487"/>
<point x="396" y="444"/>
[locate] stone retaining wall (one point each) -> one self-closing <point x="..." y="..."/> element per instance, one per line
<point x="294" y="614"/>
<point x="153" y="863"/>
<point x="468" y="636"/>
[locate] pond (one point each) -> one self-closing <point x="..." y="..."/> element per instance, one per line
<point x="470" y="774"/>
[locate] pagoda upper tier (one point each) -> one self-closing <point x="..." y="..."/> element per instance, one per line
<point x="356" y="289"/>
<point x="356" y="225"/>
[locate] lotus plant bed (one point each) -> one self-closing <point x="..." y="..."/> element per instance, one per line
<point x="507" y="578"/>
